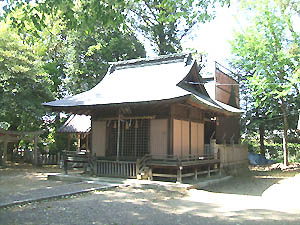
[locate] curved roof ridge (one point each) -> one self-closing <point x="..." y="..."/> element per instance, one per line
<point x="163" y="59"/>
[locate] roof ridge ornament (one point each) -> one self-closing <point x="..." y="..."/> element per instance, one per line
<point x="162" y="59"/>
<point x="188" y="59"/>
<point x="111" y="69"/>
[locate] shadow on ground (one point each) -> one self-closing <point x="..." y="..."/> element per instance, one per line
<point x="243" y="185"/>
<point x="253" y="182"/>
<point x="145" y="204"/>
<point x="19" y="177"/>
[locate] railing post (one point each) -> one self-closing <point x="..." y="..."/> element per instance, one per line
<point x="94" y="164"/>
<point x="4" y="153"/>
<point x="150" y="175"/>
<point x="196" y="173"/>
<point x="65" y="163"/>
<point x="179" y="174"/>
<point x="137" y="166"/>
<point x="35" y="151"/>
<point x="179" y="170"/>
<point x="58" y="158"/>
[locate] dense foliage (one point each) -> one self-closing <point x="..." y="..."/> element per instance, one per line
<point x="39" y="65"/>
<point x="267" y="54"/>
<point x="50" y="49"/>
<point x="163" y="22"/>
<point x="166" y="22"/>
<point x="24" y="85"/>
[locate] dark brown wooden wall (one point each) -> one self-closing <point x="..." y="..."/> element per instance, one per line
<point x="229" y="92"/>
<point x="229" y="126"/>
<point x="182" y="112"/>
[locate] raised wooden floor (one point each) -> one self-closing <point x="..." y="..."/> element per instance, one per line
<point x="150" y="166"/>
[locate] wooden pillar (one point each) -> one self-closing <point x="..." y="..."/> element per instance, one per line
<point x="78" y="143"/>
<point x="35" y="153"/>
<point x="65" y="157"/>
<point x="87" y="142"/>
<point x="118" y="138"/>
<point x="122" y="147"/>
<point x="137" y="170"/>
<point x="58" y="158"/>
<point x="4" y="158"/>
<point x="135" y="139"/>
<point x="171" y="131"/>
<point x="190" y="132"/>
<point x="69" y="142"/>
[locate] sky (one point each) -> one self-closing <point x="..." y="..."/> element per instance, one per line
<point x="212" y="38"/>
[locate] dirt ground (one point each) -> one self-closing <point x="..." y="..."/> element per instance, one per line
<point x="262" y="196"/>
<point x="22" y="177"/>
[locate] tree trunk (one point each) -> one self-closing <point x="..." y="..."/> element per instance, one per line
<point x="262" y="139"/>
<point x="285" y="129"/>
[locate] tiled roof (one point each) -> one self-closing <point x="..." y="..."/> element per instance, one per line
<point x="142" y="80"/>
<point x="76" y="124"/>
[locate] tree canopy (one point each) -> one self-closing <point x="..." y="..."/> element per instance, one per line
<point x="24" y="84"/>
<point x="268" y="51"/>
<point x="166" y="22"/>
<point x="84" y="14"/>
<point x="51" y="49"/>
<point x="163" y="22"/>
<point x="55" y="62"/>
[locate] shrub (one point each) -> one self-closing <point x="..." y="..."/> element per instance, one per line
<point x="274" y="151"/>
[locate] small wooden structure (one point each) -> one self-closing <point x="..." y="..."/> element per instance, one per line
<point x="151" y="117"/>
<point x="14" y="136"/>
<point x="79" y="125"/>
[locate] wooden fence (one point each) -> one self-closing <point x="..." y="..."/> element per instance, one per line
<point x="22" y="155"/>
<point x="233" y="157"/>
<point x="70" y="158"/>
<point x="50" y="159"/>
<point x="116" y="168"/>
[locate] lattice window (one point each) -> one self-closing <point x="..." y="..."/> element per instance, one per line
<point x="134" y="138"/>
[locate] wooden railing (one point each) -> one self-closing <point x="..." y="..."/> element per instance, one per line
<point x="183" y="159"/>
<point x="74" y="157"/>
<point x="142" y="167"/>
<point x="142" y="163"/>
<point x="115" y="168"/>
<point x="50" y="159"/>
<point x="185" y="166"/>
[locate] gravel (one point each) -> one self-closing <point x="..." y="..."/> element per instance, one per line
<point x="259" y="197"/>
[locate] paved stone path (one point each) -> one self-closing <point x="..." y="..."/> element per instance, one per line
<point x="53" y="192"/>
